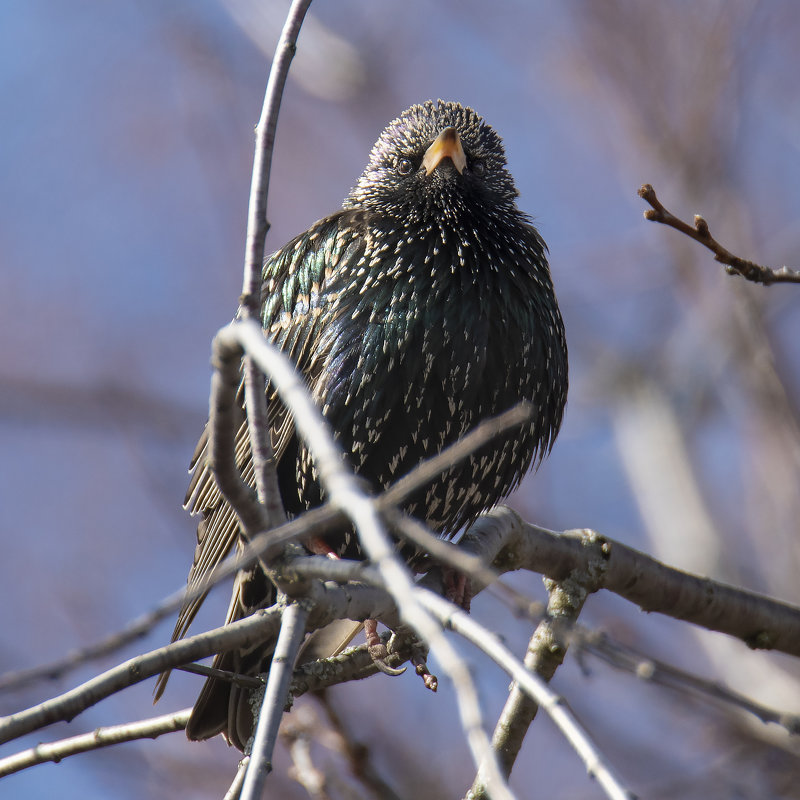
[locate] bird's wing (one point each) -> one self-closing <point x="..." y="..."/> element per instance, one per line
<point x="297" y="286"/>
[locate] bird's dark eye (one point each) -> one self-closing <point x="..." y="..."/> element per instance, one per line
<point x="478" y="168"/>
<point x="404" y="166"/>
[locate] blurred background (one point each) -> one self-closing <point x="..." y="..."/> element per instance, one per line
<point x="125" y="156"/>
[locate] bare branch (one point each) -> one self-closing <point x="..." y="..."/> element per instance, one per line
<point x="459" y="621"/>
<point x="700" y="233"/>
<point x="329" y="603"/>
<point x="100" y="737"/>
<point x="222" y="427"/>
<point x="506" y="541"/>
<point x="545" y="654"/>
<point x="293" y="628"/>
<point x="257" y="228"/>
<point x="314" y="522"/>
<point x="235" y="789"/>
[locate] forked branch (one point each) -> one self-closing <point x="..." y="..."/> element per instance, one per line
<point x="734" y="265"/>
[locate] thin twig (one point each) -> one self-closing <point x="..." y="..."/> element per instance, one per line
<point x="735" y="265"/>
<point x="235" y="789"/>
<point x="136" y="629"/>
<point x="100" y="737"/>
<point x="276" y="694"/>
<point x="257" y="229"/>
<point x="459" y="621"/>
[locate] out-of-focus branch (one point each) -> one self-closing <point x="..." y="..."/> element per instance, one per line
<point x="357" y="753"/>
<point x="100" y="737"/>
<point x="303" y="769"/>
<point x="735" y="265"/>
<point x="136" y="629"/>
<point x="628" y="659"/>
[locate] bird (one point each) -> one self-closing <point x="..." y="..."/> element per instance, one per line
<point x="420" y="308"/>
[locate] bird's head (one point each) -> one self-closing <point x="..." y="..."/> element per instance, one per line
<point x="435" y="158"/>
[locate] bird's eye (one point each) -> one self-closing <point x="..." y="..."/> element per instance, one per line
<point x="478" y="168"/>
<point x="404" y="166"/>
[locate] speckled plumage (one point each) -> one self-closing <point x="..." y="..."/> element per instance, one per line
<point x="422" y="307"/>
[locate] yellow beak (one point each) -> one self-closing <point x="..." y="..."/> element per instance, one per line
<point x="446" y="145"/>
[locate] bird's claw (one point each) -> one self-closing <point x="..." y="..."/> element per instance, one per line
<point x="383" y="667"/>
<point x="377" y="649"/>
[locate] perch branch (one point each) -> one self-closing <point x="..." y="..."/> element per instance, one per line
<point x="329" y="603"/>
<point x="314" y="522"/>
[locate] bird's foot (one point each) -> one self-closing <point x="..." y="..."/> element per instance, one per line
<point x="377" y="649"/>
<point x="457" y="588"/>
<point x="319" y="547"/>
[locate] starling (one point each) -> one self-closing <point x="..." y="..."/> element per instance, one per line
<point x="422" y="307"/>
